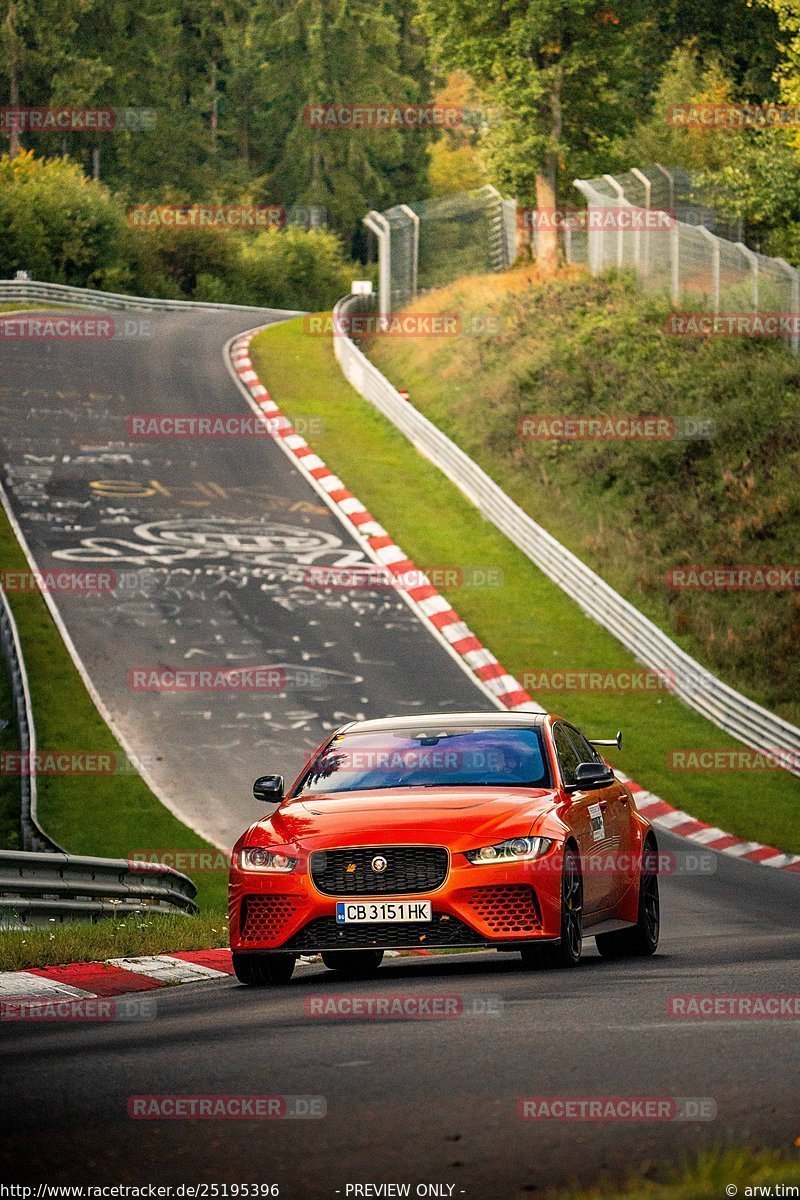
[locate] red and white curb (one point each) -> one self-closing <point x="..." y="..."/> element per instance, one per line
<point x="444" y="622"/>
<point x="117" y="977"/>
<point x="43" y="987"/>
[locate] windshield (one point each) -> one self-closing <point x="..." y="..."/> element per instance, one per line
<point x="470" y="757"/>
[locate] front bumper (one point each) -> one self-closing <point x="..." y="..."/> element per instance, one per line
<point x="477" y="906"/>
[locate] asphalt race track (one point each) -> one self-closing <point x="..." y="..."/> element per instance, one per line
<point x="227" y="533"/>
<point x="210" y="541"/>
<point x="430" y="1101"/>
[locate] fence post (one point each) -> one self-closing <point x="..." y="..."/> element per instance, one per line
<point x="714" y="240"/>
<point x="640" y="175"/>
<point x="670" y="184"/>
<point x="594" y="237"/>
<point x="674" y="262"/>
<point x="794" y="277"/>
<point x="752" y="257"/>
<point x="378" y="224"/>
<point x="414" y="218"/>
<point x="618" y="188"/>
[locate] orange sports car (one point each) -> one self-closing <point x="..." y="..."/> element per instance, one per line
<point x="485" y="830"/>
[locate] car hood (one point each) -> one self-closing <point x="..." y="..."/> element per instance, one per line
<point x="468" y="816"/>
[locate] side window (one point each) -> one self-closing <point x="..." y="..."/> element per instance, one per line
<point x="566" y="752"/>
<point x="585" y="752"/>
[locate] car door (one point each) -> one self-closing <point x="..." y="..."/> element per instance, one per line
<point x="610" y="813"/>
<point x="578" y="816"/>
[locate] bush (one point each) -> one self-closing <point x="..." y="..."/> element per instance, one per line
<point x="295" y="268"/>
<point x="57" y="224"/>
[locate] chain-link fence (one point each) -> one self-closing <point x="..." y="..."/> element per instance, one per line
<point x="648" y="221"/>
<point x="434" y="242"/>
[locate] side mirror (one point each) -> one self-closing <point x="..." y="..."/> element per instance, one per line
<point x="269" y="788"/>
<point x="593" y="775"/>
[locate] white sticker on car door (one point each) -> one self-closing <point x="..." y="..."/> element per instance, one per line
<point x="598" y="824"/>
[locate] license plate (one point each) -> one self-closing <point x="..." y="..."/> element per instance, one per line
<point x="382" y="911"/>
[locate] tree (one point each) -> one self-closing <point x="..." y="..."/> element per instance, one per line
<point x="558" y="71"/>
<point x="351" y="52"/>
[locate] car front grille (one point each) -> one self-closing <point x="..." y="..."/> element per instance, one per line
<point x="507" y="908"/>
<point x="323" y="933"/>
<point x="409" y="869"/>
<point x="264" y="918"/>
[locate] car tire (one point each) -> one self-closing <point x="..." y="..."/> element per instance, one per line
<point x="642" y="938"/>
<point x="567" y="951"/>
<point x="264" y="970"/>
<point x="353" y="964"/>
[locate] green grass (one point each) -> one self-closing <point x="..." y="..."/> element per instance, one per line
<point x="10" y="797"/>
<point x="112" y="816"/>
<point x="126" y="937"/>
<point x="529" y="623"/>
<point x="704" y="1178"/>
<point x="22" y="306"/>
<point x="632" y="510"/>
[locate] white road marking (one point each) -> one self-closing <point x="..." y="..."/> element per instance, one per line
<point x="167" y="969"/>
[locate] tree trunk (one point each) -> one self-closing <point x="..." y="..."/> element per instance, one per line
<point x="547" y="234"/>
<point x="15" y="146"/>
<point x="214" y="108"/>
<point x="547" y="256"/>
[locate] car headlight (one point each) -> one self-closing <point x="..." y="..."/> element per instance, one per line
<point x="256" y="858"/>
<point x="514" y="850"/>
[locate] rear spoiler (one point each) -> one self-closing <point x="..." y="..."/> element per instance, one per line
<point x="617" y="741"/>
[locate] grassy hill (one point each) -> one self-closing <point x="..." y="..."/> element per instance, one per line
<point x="633" y="510"/>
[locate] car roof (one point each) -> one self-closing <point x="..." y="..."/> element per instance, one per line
<point x="451" y="720"/>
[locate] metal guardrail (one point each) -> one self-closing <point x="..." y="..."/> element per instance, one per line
<point x="39" y="889"/>
<point x="692" y="683"/>
<point x="33" y="836"/>
<point x="61" y="293"/>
